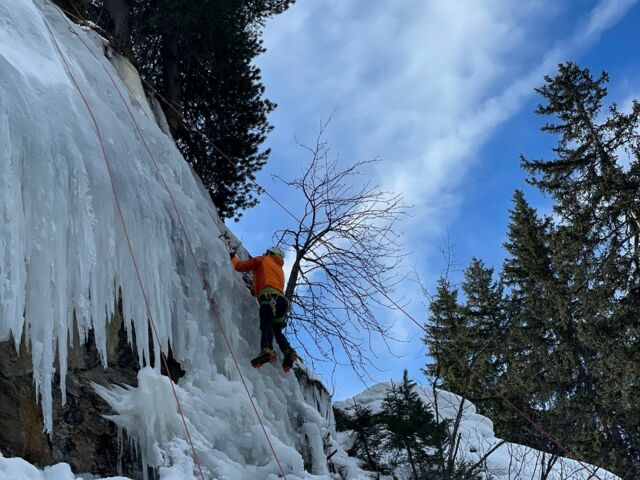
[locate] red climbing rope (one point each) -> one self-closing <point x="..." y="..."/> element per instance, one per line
<point x="133" y="257"/>
<point x="193" y="256"/>
<point x="466" y="366"/>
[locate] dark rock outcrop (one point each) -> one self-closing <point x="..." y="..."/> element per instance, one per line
<point x="82" y="437"/>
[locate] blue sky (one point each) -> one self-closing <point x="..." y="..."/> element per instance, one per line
<point x="442" y="92"/>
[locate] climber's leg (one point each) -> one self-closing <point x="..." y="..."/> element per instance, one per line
<point x="281" y="339"/>
<point x="266" y="324"/>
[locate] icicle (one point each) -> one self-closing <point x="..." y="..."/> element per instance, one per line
<point x="120" y="443"/>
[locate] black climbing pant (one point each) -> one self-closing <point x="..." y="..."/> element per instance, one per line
<point x="273" y="312"/>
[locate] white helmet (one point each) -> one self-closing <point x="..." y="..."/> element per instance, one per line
<point x="275" y="251"/>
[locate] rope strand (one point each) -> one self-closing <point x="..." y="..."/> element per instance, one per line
<point x="130" y="246"/>
<point x="193" y="256"/>
<point x="466" y="366"/>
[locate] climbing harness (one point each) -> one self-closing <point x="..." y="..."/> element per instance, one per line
<point x="271" y="298"/>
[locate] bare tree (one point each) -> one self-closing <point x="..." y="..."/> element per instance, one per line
<point x="547" y="461"/>
<point x="346" y="250"/>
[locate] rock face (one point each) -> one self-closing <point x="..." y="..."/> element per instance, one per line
<point x="81" y="436"/>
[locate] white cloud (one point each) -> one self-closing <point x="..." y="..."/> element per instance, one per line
<point x="606" y="14"/>
<point x="421" y="84"/>
<point x="448" y="155"/>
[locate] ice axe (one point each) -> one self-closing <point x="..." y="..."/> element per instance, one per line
<point x="246" y="277"/>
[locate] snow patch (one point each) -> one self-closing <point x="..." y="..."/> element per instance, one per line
<point x="19" y="469"/>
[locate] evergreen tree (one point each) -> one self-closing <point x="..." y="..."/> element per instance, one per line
<point x="367" y="429"/>
<point x="446" y="340"/>
<point x="531" y="341"/>
<point x="484" y="320"/>
<point x="596" y="252"/>
<point x="199" y="54"/>
<point x="566" y="352"/>
<point x="592" y="192"/>
<point x="412" y="432"/>
<point x="467" y="337"/>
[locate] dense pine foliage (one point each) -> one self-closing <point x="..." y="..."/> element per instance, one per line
<point x="557" y="330"/>
<point x="198" y="54"/>
<point x="368" y="434"/>
<point x="406" y="436"/>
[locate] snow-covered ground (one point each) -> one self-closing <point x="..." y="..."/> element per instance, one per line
<point x="18" y="469"/>
<point x="508" y="462"/>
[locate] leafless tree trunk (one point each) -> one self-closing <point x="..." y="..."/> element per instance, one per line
<point x="546" y="465"/>
<point x="346" y="249"/>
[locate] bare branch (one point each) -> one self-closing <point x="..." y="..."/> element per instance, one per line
<point x="347" y="249"/>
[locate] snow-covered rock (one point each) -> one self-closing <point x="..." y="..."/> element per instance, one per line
<point x="508" y="462"/>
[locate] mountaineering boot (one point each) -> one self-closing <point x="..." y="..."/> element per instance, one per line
<point x="290" y="356"/>
<point x="267" y="355"/>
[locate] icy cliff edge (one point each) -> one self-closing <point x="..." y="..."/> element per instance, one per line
<point x="65" y="259"/>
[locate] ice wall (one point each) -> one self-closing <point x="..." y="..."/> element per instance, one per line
<point x="63" y="253"/>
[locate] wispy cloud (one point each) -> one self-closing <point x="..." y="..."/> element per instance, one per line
<point x="408" y="79"/>
<point x="606" y="14"/>
<point x="421" y="84"/>
<point x="449" y="154"/>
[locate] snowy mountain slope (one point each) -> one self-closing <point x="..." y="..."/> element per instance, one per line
<point x="64" y="255"/>
<point x="507" y="462"/>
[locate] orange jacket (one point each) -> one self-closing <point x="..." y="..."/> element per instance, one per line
<point x="267" y="272"/>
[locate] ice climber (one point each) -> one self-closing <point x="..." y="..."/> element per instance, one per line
<point x="268" y="287"/>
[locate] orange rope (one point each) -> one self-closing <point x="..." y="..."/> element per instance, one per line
<point x="129" y="244"/>
<point x="459" y="360"/>
<point x="193" y="256"/>
<point x="462" y="363"/>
